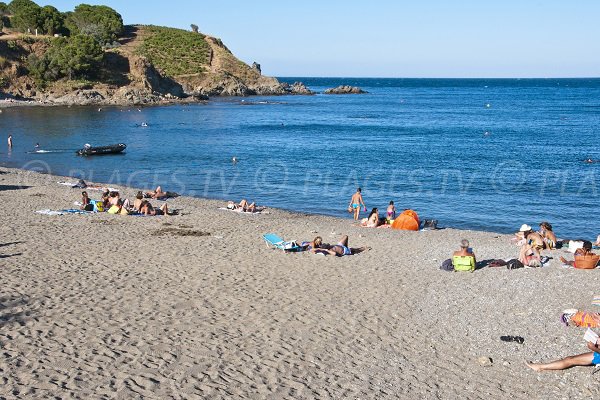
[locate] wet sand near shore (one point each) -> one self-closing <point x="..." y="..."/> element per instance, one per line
<point x="197" y="306"/>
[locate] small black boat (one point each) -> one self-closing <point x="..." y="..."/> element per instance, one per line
<point x="101" y="150"/>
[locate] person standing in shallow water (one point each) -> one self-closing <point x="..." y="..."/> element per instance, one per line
<point x="10" y="141"/>
<point x="355" y="202"/>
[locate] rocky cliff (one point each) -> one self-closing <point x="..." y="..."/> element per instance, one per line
<point x="133" y="73"/>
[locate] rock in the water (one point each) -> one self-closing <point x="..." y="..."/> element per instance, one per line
<point x="345" y="89"/>
<point x="296" y="88"/>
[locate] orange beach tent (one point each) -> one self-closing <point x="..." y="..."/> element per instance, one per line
<point x="407" y="221"/>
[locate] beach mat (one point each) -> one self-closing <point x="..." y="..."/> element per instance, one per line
<point x="244" y="212"/>
<point x="63" y="212"/>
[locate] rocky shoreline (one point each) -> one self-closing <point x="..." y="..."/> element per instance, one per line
<point x="131" y="96"/>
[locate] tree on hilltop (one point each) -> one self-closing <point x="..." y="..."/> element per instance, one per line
<point x="101" y="22"/>
<point x="194" y="28"/>
<point x="25" y="14"/>
<point x="4" y="8"/>
<point x="51" y="20"/>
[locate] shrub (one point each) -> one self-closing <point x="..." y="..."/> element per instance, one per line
<point x="75" y="57"/>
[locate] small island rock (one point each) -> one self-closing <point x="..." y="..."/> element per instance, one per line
<point x="345" y="89"/>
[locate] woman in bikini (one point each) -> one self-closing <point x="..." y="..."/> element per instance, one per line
<point x="548" y="235"/>
<point x="530" y="250"/>
<point x="147" y="209"/>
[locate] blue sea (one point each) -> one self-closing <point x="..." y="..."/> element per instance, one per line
<point x="484" y="154"/>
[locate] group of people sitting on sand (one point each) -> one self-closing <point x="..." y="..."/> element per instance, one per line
<point x="112" y="203"/>
<point x="532" y="243"/>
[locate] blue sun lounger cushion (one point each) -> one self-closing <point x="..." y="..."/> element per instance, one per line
<point x="275" y="240"/>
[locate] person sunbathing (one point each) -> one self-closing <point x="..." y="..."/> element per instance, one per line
<point x="147" y="209"/>
<point x="532" y="244"/>
<point x="137" y="203"/>
<point x="316" y="243"/>
<point x="86" y="202"/>
<point x="373" y="220"/>
<point x="584" y="359"/>
<point x="464" y="259"/>
<point x="157" y="194"/>
<point x="548" y="235"/>
<point x="244" y="206"/>
<point x="340" y="249"/>
<point x="105" y="199"/>
<point x="584" y="258"/>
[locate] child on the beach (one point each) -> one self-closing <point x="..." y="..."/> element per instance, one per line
<point x="391" y="212"/>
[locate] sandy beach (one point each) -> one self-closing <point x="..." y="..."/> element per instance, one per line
<point x="196" y="306"/>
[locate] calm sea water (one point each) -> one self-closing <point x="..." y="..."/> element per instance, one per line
<point x="479" y="154"/>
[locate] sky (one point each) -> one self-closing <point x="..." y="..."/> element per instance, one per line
<point x="385" y="38"/>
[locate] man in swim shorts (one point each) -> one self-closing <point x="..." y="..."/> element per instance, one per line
<point x="340" y="249"/>
<point x="355" y="202"/>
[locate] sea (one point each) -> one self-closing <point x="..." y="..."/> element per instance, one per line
<point x="481" y="154"/>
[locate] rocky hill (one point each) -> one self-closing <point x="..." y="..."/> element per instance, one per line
<point x="146" y="65"/>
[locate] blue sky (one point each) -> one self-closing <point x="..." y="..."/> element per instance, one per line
<point x="418" y="38"/>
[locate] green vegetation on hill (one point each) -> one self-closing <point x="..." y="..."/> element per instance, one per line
<point x="175" y="51"/>
<point x="101" y="22"/>
<point x="75" y="57"/>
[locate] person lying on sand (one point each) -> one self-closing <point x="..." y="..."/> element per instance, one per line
<point x="584" y="359"/>
<point x="147" y="209"/>
<point x="316" y="243"/>
<point x="157" y="194"/>
<point x="340" y="249"/>
<point x="584" y="258"/>
<point x="244" y="206"/>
